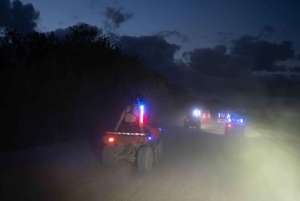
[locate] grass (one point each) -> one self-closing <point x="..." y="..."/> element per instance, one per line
<point x="280" y="121"/>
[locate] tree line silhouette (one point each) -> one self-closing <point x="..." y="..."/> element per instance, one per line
<point x="53" y="88"/>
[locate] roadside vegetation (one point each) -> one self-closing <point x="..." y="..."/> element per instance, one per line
<point x="281" y="121"/>
<point x="55" y="89"/>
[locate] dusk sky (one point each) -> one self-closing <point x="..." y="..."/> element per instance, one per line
<point x="217" y="37"/>
<point x="204" y="23"/>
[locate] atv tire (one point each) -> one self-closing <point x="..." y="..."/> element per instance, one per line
<point x="109" y="158"/>
<point x="159" y="152"/>
<point x="145" y="159"/>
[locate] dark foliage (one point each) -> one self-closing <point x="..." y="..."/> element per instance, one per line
<point x="55" y="89"/>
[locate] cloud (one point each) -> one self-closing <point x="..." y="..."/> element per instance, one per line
<point x="16" y="13"/>
<point x="157" y="53"/>
<point x="246" y="54"/>
<point x="261" y="54"/>
<point x="94" y="3"/>
<point x="283" y="33"/>
<point x="267" y="31"/>
<point x="287" y="73"/>
<point x="166" y="34"/>
<point x="221" y="71"/>
<point x="224" y="37"/>
<point x="216" y="62"/>
<point x="114" y="17"/>
<point x="152" y="48"/>
<point x="296" y="69"/>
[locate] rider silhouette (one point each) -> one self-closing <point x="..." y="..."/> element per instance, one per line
<point x="130" y="118"/>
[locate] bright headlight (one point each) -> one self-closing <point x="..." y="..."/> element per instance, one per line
<point x="196" y="113"/>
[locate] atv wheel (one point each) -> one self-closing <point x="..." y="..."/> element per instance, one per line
<point x="145" y="159"/>
<point x="159" y="152"/>
<point x="109" y="158"/>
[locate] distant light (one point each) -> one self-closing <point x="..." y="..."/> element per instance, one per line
<point x="241" y="120"/>
<point x="149" y="138"/>
<point x="159" y="129"/>
<point x="229" y="125"/>
<point x="196" y="113"/>
<point x="219" y="115"/>
<point x="111" y="139"/>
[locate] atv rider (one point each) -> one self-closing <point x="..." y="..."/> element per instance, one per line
<point x="130" y="119"/>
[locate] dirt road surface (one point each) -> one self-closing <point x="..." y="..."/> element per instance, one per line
<point x="198" y="165"/>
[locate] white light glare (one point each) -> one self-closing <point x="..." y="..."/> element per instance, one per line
<point x="142" y="114"/>
<point x="196" y="113"/>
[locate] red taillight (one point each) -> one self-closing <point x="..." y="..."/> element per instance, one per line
<point x="187" y="120"/>
<point x="109" y="140"/>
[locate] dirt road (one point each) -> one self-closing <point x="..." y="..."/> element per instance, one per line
<point x="198" y="165"/>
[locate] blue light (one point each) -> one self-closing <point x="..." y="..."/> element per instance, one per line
<point x="241" y="120"/>
<point x="149" y="138"/>
<point x="159" y="129"/>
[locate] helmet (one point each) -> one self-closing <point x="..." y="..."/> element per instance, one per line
<point x="138" y="99"/>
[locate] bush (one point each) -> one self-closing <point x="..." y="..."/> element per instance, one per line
<point x="53" y="88"/>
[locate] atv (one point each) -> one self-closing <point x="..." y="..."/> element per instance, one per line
<point x="192" y="122"/>
<point x="140" y="148"/>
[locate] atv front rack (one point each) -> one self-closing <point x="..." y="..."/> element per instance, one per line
<point x="125" y="133"/>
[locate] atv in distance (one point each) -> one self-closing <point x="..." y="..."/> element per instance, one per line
<point x="235" y="125"/>
<point x="143" y="147"/>
<point x="192" y="122"/>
